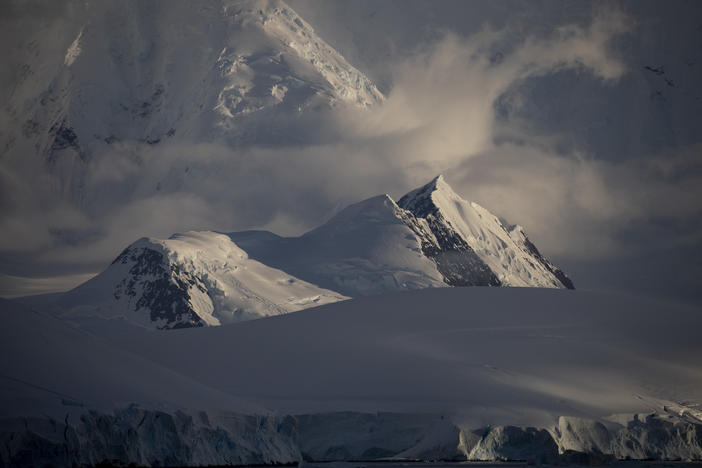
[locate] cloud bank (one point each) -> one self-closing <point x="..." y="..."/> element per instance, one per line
<point x="441" y="115"/>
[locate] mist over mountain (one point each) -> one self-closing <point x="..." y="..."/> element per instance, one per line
<point x="579" y="123"/>
<point x="433" y="238"/>
<point x="277" y="233"/>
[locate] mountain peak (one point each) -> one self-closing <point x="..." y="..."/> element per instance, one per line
<point x="437" y="183"/>
<point x="231" y="71"/>
<point x="440" y="185"/>
<point x="296" y="37"/>
<point x="422" y="200"/>
<point x="192" y="279"/>
<point x="433" y="238"/>
<point x="438" y="179"/>
<point x="500" y="255"/>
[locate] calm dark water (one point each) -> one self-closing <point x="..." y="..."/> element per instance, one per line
<point x="406" y="464"/>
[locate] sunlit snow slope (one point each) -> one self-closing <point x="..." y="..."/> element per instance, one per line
<point x="461" y="226"/>
<point x="367" y="248"/>
<point x="431" y="238"/>
<point x="190" y="280"/>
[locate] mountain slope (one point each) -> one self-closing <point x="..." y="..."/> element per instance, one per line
<point x="367" y="248"/>
<point x="140" y="73"/>
<point x="50" y="367"/>
<point x="431" y="238"/>
<point x="190" y="280"/>
<point x="497" y="355"/>
<point x="501" y="255"/>
<point x="450" y="373"/>
<point x="71" y="398"/>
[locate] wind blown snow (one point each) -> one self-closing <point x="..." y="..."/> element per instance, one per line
<point x="73" y="51"/>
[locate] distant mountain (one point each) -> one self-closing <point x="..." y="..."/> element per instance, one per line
<point x="473" y="247"/>
<point x="190" y="280"/>
<point x="432" y="238"/>
<point x="136" y="73"/>
<point x="368" y="248"/>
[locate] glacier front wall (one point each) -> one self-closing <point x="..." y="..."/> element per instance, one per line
<point x="157" y="438"/>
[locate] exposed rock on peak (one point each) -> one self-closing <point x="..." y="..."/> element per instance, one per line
<point x="468" y="234"/>
<point x="431" y="238"/>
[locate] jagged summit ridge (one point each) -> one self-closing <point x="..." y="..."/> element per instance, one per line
<point x="503" y="255"/>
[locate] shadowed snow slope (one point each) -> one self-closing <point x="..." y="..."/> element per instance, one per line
<point x="70" y="398"/>
<point x="592" y="373"/>
<point x="50" y="368"/>
<point x="494" y="355"/>
<point x="146" y="72"/>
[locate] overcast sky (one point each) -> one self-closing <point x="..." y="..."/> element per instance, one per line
<point x="601" y="163"/>
<point x="578" y="120"/>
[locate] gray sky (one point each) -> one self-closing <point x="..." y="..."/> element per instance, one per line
<point x="629" y="149"/>
<point x="578" y="120"/>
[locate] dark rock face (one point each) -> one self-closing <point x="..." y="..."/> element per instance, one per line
<point x="455" y="259"/>
<point x="64" y="138"/>
<point x="157" y="285"/>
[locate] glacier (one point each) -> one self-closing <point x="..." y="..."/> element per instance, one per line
<point x="533" y="374"/>
<point x="193" y="279"/>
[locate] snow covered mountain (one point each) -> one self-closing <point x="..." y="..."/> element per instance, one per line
<point x="432" y="238"/>
<point x="367" y="248"/>
<point x="145" y="72"/>
<point x="471" y="246"/>
<point x="190" y="280"/>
